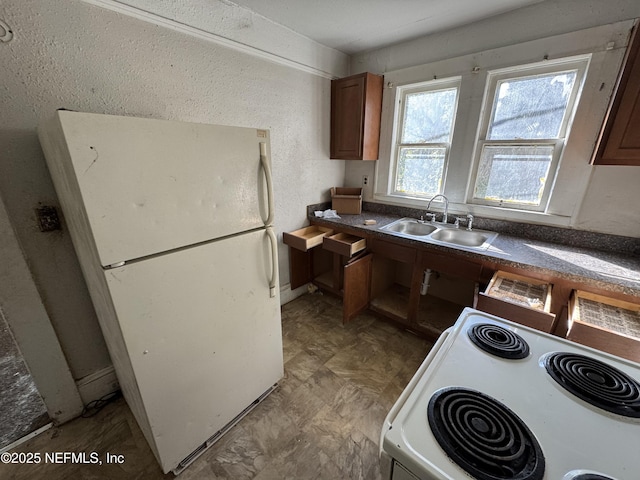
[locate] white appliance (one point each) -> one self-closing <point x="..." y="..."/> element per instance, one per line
<point x="447" y="425"/>
<point x="172" y="224"/>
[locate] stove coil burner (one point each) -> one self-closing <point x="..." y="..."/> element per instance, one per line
<point x="498" y="341"/>
<point x="595" y="382"/>
<point x="483" y="436"/>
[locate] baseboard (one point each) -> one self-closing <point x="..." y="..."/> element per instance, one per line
<point x="26" y="438"/>
<point x="97" y="384"/>
<point x="287" y="295"/>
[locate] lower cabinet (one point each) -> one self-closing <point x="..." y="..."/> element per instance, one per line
<point x="340" y="265"/>
<point x="392" y="285"/>
<point x="424" y="289"/>
<point x="447" y="284"/>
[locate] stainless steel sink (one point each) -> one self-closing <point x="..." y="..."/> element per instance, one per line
<point x="440" y="233"/>
<point x="410" y="227"/>
<point x="465" y="238"/>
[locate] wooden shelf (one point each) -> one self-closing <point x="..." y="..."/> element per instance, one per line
<point x="435" y="315"/>
<point x="393" y="301"/>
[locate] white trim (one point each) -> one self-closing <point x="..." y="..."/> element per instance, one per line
<point x="161" y="21"/>
<point x="97" y="384"/>
<point x="22" y="308"/>
<point x="430" y="86"/>
<point x="578" y="64"/>
<point x="287" y="295"/>
<point x="26" y="438"/>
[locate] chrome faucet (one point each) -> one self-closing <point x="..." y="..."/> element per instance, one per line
<point x="446" y="206"/>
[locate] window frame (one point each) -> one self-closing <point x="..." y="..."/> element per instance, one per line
<point x="399" y="120"/>
<point x="571" y="197"/>
<point x="579" y="64"/>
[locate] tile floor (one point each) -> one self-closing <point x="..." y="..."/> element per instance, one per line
<point x="323" y="422"/>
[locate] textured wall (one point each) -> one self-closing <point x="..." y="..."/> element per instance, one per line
<point x="78" y="56"/>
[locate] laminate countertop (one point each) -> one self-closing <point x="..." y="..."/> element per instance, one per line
<point x="609" y="271"/>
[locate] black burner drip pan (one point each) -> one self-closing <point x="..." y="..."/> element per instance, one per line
<point x="498" y="341"/>
<point x="595" y="382"/>
<point x="483" y="436"/>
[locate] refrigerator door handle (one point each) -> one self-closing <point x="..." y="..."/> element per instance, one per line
<point x="274" y="261"/>
<point x="264" y="160"/>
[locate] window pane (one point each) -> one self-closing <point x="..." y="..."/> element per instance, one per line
<point x="513" y="174"/>
<point x="428" y="116"/>
<point x="419" y="170"/>
<point x="531" y="107"/>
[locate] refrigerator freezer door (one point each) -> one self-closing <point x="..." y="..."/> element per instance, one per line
<point x="203" y="335"/>
<point x="150" y="186"/>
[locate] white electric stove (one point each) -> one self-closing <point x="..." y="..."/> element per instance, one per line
<point x="496" y="400"/>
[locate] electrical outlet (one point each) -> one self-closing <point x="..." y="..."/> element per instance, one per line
<point x="48" y="220"/>
<point x="365" y="180"/>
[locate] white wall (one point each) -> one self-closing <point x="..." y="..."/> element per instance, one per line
<point x="76" y="55"/>
<point x="611" y="190"/>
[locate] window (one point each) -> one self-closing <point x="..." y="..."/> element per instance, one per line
<point x="520" y="135"/>
<point x="528" y="111"/>
<point x="426" y="112"/>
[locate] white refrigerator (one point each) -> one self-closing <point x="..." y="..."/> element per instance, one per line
<point x="172" y="224"/>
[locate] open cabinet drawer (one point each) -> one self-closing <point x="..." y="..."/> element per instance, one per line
<point x="520" y="299"/>
<point x="605" y="323"/>
<point x="305" y="254"/>
<point x="344" y="244"/>
<point x="306" y="238"/>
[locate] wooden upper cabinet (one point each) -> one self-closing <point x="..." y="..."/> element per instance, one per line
<point x="356" y="104"/>
<point x="619" y="140"/>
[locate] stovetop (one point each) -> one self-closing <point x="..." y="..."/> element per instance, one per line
<point x="576" y="439"/>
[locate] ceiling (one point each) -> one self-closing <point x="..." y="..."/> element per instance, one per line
<point x="354" y="26"/>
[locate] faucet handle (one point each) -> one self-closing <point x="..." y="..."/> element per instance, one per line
<point x="469" y="221"/>
<point x="432" y="216"/>
<point x="458" y="220"/>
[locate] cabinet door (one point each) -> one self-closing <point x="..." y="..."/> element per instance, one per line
<point x="357" y="284"/>
<point x="356" y="105"/>
<point x="619" y="142"/>
<point x="347" y="111"/>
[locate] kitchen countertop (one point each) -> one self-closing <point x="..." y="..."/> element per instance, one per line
<point x="615" y="272"/>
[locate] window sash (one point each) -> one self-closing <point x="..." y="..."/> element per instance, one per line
<point x="398" y="146"/>
<point x="556" y="145"/>
<point x="577" y="64"/>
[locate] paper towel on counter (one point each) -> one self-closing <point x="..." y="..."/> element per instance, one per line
<point x="326" y="214"/>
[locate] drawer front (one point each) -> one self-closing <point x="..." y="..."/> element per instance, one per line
<point x="394" y="251"/>
<point x="456" y="267"/>
<point x="537" y="319"/>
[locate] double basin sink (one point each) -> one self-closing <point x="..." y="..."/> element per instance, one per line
<point x="441" y="233"/>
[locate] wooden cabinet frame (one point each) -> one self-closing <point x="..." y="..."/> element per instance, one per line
<point x="356" y="279"/>
<point x="356" y="106"/>
<point x="619" y="139"/>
